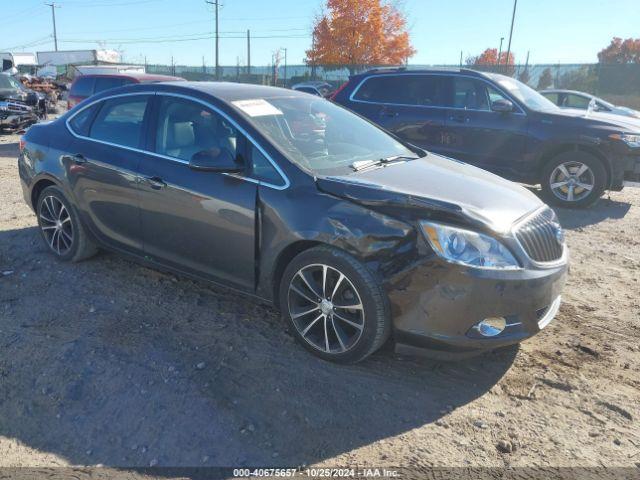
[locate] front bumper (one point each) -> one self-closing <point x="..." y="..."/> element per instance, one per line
<point x="436" y="305"/>
<point x="15" y="120"/>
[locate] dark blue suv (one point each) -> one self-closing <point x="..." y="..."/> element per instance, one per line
<point x="502" y="125"/>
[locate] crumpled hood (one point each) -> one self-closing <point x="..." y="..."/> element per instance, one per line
<point x="436" y="184"/>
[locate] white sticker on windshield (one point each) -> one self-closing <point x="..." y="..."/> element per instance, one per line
<point x="257" y="108"/>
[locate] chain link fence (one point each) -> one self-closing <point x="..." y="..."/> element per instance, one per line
<point x="619" y="84"/>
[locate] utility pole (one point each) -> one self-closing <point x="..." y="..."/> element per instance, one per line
<point x="216" y="4"/>
<point x="285" y="68"/>
<point x="500" y="53"/>
<point x="460" y="58"/>
<point x="513" y="17"/>
<point x="248" y="52"/>
<point x="53" y="15"/>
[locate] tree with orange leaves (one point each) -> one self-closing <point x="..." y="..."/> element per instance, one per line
<point x="357" y="33"/>
<point x="490" y="57"/>
<point x="621" y="51"/>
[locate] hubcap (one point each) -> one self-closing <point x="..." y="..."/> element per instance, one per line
<point x="326" y="309"/>
<point x="56" y="225"/>
<point x="572" y="181"/>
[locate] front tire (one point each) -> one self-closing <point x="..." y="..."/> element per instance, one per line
<point x="573" y="180"/>
<point x="61" y="228"/>
<point x="336" y="308"/>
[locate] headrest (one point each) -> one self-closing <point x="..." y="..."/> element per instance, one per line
<point x="182" y="134"/>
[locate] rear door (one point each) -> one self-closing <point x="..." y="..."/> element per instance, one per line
<point x="102" y="164"/>
<point x="476" y="134"/>
<point x="202" y="222"/>
<point x="409" y="105"/>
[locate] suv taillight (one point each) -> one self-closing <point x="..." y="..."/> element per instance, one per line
<point x="340" y="88"/>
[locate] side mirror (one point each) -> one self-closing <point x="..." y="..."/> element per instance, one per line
<point x="502" y="105"/>
<point x="215" y="160"/>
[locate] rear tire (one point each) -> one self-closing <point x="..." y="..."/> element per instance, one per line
<point x="61" y="228"/>
<point x="573" y="179"/>
<point x="317" y="287"/>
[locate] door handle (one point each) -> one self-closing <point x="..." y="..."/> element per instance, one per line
<point x="459" y="118"/>
<point x="156" y="182"/>
<point x="78" y="158"/>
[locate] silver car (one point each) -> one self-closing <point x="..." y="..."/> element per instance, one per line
<point x="581" y="101"/>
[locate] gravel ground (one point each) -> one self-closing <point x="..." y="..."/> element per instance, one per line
<point x="108" y="362"/>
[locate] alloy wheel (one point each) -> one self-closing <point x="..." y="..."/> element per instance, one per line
<point x="572" y="181"/>
<point x="56" y="225"/>
<point x="326" y="308"/>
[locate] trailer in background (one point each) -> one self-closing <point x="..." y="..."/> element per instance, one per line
<point x="24" y="62"/>
<point x="76" y="57"/>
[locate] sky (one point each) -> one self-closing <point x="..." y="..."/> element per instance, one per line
<point x="553" y="31"/>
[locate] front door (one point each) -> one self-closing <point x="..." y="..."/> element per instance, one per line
<point x="203" y="222"/>
<point x="476" y="134"/>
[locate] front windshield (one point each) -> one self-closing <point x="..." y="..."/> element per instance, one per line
<point x="524" y="93"/>
<point x="9" y="82"/>
<point x="318" y="135"/>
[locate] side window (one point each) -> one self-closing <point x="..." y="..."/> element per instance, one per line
<point x="80" y="123"/>
<point x="469" y="94"/>
<point x="106" y="83"/>
<point x="494" y="95"/>
<point x="310" y="90"/>
<point x="186" y="128"/>
<point x="262" y="169"/>
<point x="412" y="90"/>
<point x="552" y="96"/>
<point x="82" y="87"/>
<point x="120" y="120"/>
<point x="576" y="101"/>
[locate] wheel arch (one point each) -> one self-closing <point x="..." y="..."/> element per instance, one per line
<point x="284" y="258"/>
<point x="558" y="149"/>
<point x="39" y="185"/>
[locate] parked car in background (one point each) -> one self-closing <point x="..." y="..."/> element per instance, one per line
<point x="318" y="88"/>
<point x="19" y="106"/>
<point x="581" y="101"/>
<point x="85" y="86"/>
<point x="504" y="126"/>
<point x="349" y="230"/>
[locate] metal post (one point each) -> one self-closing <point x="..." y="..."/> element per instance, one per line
<point x="248" y="52"/>
<point x="513" y="18"/>
<point x="53" y="15"/>
<point x="500" y="53"/>
<point x="285" y="69"/>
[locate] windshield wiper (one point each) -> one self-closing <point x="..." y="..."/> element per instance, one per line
<point x="365" y="164"/>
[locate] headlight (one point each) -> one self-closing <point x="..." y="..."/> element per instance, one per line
<point x="465" y="247"/>
<point x="4" y="106"/>
<point x="632" y="140"/>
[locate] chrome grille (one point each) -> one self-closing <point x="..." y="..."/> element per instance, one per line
<point x="541" y="237"/>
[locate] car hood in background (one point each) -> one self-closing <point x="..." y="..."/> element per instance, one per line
<point x="629" y="124"/>
<point x="435" y="184"/>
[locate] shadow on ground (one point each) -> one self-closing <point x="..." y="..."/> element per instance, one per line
<point x="605" y="209"/>
<point x="9" y="150"/>
<point x="109" y="362"/>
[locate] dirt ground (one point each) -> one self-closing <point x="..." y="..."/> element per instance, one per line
<point x="108" y="362"/>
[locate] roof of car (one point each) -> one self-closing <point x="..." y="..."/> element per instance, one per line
<point x="225" y="91"/>
<point x="142" y="77"/>
<point x="395" y="70"/>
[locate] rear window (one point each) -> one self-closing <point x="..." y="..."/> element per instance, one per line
<point x="411" y="90"/>
<point x="82" y="87"/>
<point x="106" y="83"/>
<point x="80" y="123"/>
<point x="119" y="121"/>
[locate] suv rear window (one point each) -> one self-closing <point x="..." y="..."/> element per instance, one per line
<point x="82" y="87"/>
<point x="420" y="90"/>
<point x="106" y="83"/>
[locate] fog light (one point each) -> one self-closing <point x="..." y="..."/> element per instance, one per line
<point x="490" y="327"/>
